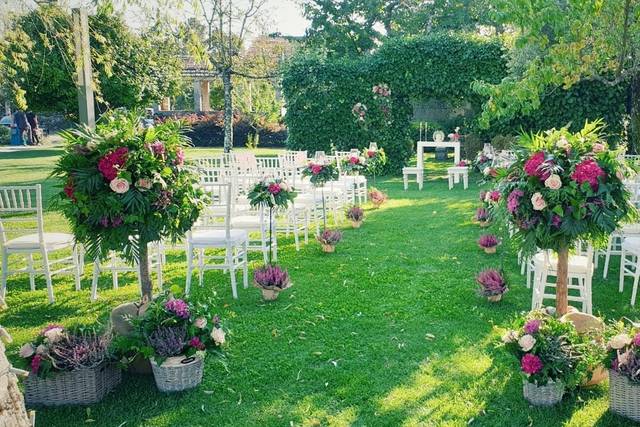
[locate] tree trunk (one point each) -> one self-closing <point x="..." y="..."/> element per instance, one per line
<point x="562" y="291"/>
<point x="146" y="287"/>
<point x="634" y="113"/>
<point x="228" y="110"/>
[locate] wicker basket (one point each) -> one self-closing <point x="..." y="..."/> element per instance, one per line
<point x="624" y="396"/>
<point x="79" y="387"/>
<point x="178" y="373"/>
<point x="546" y="395"/>
<point x="494" y="298"/>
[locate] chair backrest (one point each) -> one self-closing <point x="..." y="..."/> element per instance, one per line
<point x="268" y="165"/>
<point x="633" y="186"/>
<point x="21" y="212"/>
<point x="218" y="214"/>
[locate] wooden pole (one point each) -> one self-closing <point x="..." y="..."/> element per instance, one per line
<point x="84" y="79"/>
<point x="146" y="287"/>
<point x="562" y="290"/>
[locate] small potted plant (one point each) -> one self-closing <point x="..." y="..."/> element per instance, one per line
<point x="377" y="197"/>
<point x="553" y="356"/>
<point x="624" y="375"/>
<point x="69" y="367"/>
<point x="272" y="280"/>
<point x="175" y="336"/>
<point x="491" y="284"/>
<point x="489" y="243"/>
<point x="329" y="239"/>
<point x="355" y="214"/>
<point x="482" y="216"/>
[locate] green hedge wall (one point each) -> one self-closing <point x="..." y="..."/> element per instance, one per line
<point x="321" y="92"/>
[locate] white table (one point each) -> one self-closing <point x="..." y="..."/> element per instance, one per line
<point x="434" y="144"/>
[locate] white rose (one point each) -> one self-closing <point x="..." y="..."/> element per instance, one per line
<point x="553" y="182"/>
<point x="562" y="143"/>
<point x="538" y="202"/>
<point x="54" y="335"/>
<point x="527" y="342"/>
<point x="509" y="337"/>
<point x="119" y="185"/>
<point x="217" y="335"/>
<point x="486" y="170"/>
<point x="619" y="341"/>
<point x="27" y="350"/>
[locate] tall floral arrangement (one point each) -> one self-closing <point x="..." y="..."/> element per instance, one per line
<point x="353" y="164"/>
<point x="376" y="160"/>
<point x="564" y="187"/>
<point x="125" y="185"/>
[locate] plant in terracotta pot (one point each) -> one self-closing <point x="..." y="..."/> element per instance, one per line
<point x="563" y="188"/>
<point x="483" y="217"/>
<point x="377" y="197"/>
<point x="329" y="239"/>
<point x="489" y="243"/>
<point x="355" y="214"/>
<point x="272" y="280"/>
<point x="492" y="284"/>
<point x="553" y="356"/>
<point x="175" y="334"/>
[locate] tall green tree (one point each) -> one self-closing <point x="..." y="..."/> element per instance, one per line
<point x="37" y="64"/>
<point x="560" y="43"/>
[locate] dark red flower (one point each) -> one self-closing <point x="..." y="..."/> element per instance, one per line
<point x="588" y="171"/>
<point x="534" y="166"/>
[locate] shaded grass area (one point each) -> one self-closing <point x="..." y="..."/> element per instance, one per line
<point x="386" y="331"/>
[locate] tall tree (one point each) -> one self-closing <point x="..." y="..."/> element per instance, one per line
<point x="559" y="43"/>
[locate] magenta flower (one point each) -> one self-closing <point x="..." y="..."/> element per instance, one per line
<point x="270" y="276"/>
<point x="491" y="282"/>
<point x="513" y="200"/>
<point x="534" y="166"/>
<point x="530" y="364"/>
<point x="556" y="221"/>
<point x="482" y="214"/>
<point x="488" y="241"/>
<point x="636" y="340"/>
<point x="316" y="169"/>
<point x="158" y="148"/>
<point x="532" y="326"/>
<point x="196" y="343"/>
<point x="494" y="196"/>
<point x="274" y="189"/>
<point x="179" y="307"/>
<point x="588" y="171"/>
<point x="179" y="157"/>
<point x="112" y="162"/>
<point x="35" y="363"/>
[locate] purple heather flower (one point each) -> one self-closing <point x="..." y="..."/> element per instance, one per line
<point x="178" y="307"/>
<point x="271" y="276"/>
<point x="513" y="200"/>
<point x="532" y="326"/>
<point x="491" y="282"/>
<point x="488" y="241"/>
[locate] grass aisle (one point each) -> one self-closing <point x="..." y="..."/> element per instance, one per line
<point x="387" y="331"/>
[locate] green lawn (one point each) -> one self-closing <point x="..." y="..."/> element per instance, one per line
<point x="387" y="331"/>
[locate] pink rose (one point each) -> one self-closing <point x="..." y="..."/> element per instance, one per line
<point x="316" y="169"/>
<point x="119" y="185"/>
<point x="538" y="202"/>
<point x="553" y="182"/>
<point x="274" y="189"/>
<point x="200" y="323"/>
<point x="144" y="183"/>
<point x="598" y="147"/>
<point x="27" y="350"/>
<point x="284" y="186"/>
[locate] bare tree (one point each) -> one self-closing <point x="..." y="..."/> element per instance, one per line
<point x="228" y="25"/>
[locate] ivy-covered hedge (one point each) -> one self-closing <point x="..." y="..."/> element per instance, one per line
<point x="321" y="92"/>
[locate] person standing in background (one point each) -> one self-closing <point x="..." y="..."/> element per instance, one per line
<point x="20" y="121"/>
<point x="32" y="118"/>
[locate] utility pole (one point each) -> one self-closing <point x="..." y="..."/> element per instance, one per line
<point x="84" y="80"/>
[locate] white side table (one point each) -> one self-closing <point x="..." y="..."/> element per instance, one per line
<point x="417" y="171"/>
<point x="454" y="174"/>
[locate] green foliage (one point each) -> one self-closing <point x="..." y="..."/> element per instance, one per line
<point x="5" y="135"/>
<point x="321" y="92"/>
<point x="38" y="61"/>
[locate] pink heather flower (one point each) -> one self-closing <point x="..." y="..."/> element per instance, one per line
<point x="636" y="340"/>
<point x="178" y="307"/>
<point x="534" y="166"/>
<point x="35" y="363"/>
<point x="513" y="200"/>
<point x="482" y="214"/>
<point x="158" y="148"/>
<point x="530" y="364"/>
<point x="274" y="189"/>
<point x="532" y="326"/>
<point x="491" y="281"/>
<point x="588" y="171"/>
<point x="196" y="343"/>
<point x="488" y="241"/>
<point x="179" y="157"/>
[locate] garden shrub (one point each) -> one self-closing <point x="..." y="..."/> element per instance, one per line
<point x="5" y="135"/>
<point x="320" y="93"/>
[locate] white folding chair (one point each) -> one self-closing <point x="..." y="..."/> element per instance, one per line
<point x="213" y="231"/>
<point x="630" y="264"/>
<point x="22" y="232"/>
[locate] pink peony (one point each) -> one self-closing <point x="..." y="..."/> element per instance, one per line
<point x="588" y="171"/>
<point x="274" y="189"/>
<point x="531" y="364"/>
